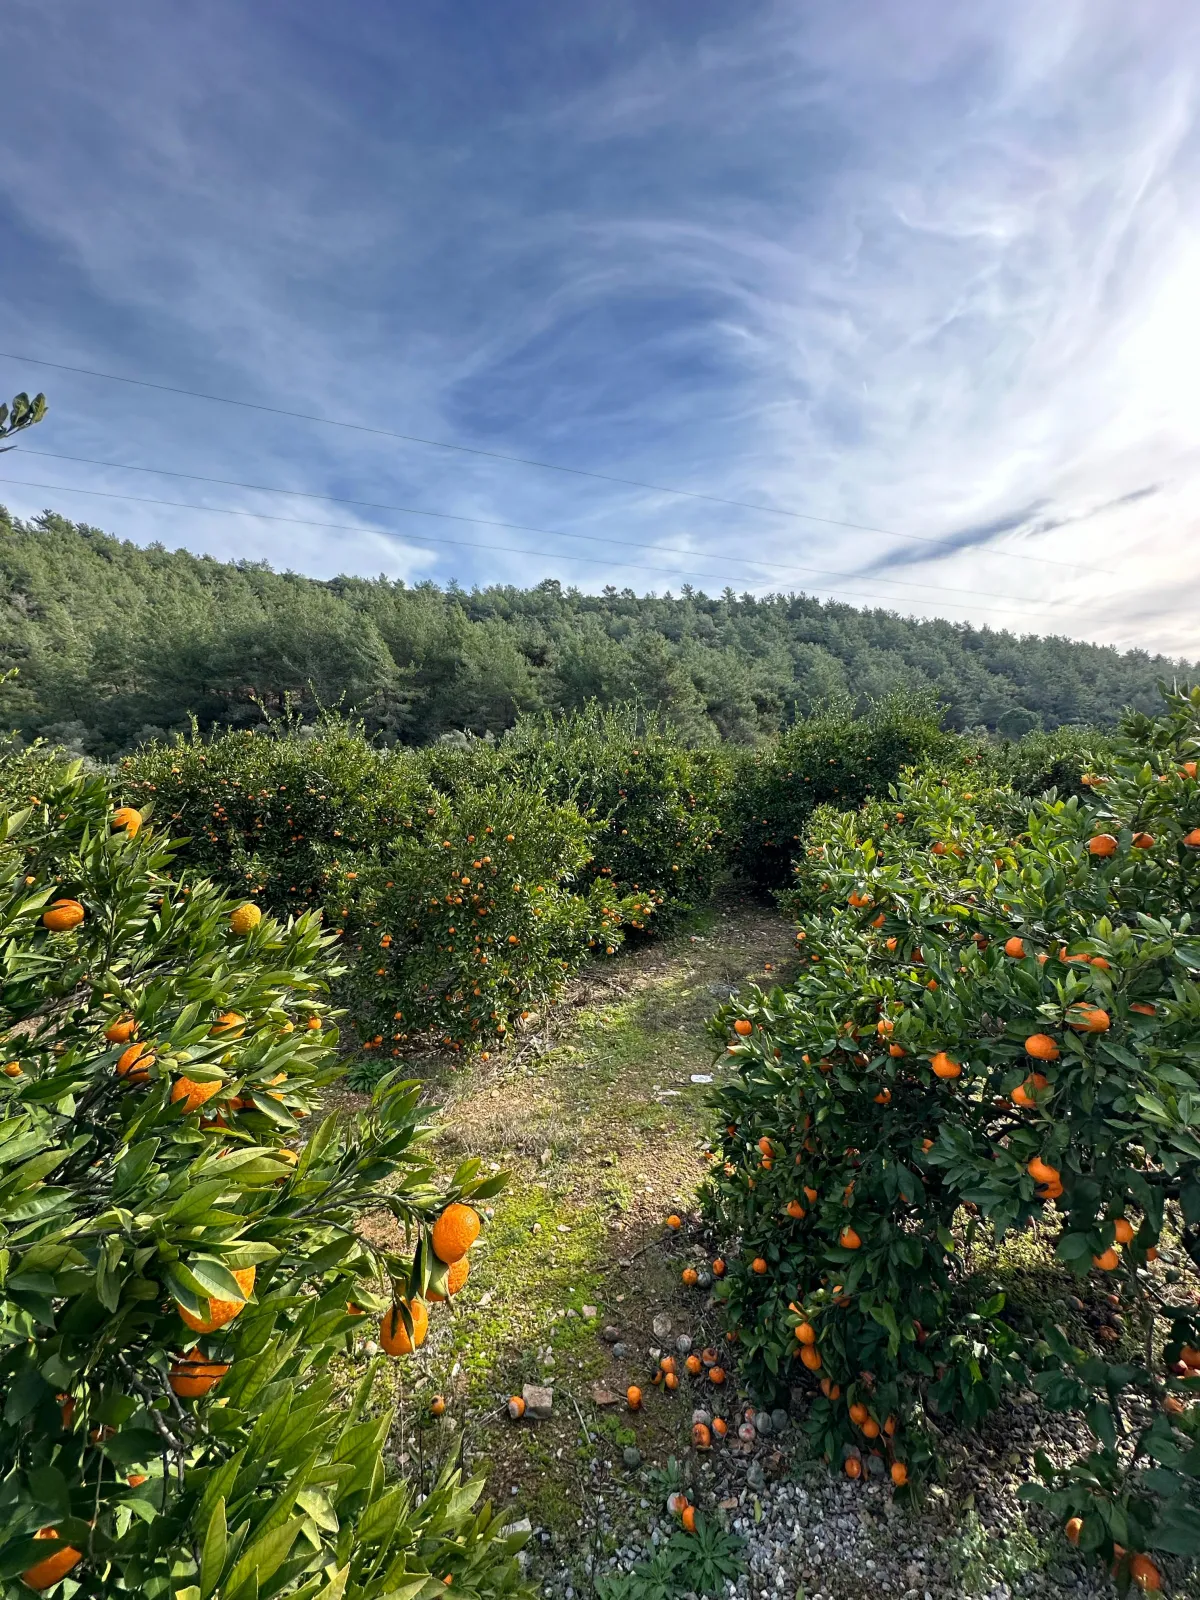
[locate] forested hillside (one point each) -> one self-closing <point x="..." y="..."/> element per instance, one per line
<point x="116" y="643"/>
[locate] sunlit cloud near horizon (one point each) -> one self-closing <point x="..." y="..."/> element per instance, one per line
<point x="920" y="280"/>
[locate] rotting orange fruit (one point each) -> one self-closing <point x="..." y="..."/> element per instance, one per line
<point x="1041" y="1047"/>
<point x="221" y="1311"/>
<point x="43" y="1574"/>
<point x="63" y="915"/>
<point x="193" y="1375"/>
<point x="701" y="1436"/>
<point x="454" y="1232"/>
<point x="516" y="1407"/>
<point x="395" y="1337"/>
<point x="191" y="1093"/>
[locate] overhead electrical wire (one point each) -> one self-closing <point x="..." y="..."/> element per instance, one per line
<point x="514" y="527"/>
<point x="523" y="461"/>
<point x="469" y="544"/>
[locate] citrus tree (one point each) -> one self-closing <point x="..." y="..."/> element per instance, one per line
<point x="994" y="1027"/>
<point x="181" y="1272"/>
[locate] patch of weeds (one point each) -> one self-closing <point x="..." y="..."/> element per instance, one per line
<point x="700" y="1563"/>
<point x="364" y="1072"/>
<point x="979" y="1560"/>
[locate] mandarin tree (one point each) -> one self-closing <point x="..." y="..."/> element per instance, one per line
<point x="181" y="1257"/>
<point x="990" y="1016"/>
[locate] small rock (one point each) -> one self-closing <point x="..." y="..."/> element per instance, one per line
<point x="728" y="1505"/>
<point x="588" y="1312"/>
<point x="702" y="1077"/>
<point x="875" y="1467"/>
<point x="661" y="1326"/>
<point x="631" y="1456"/>
<point x="371" y="1348"/>
<point x="620" y="1350"/>
<point x="539" y="1401"/>
<point x="755" y="1477"/>
<point x="700" y="1415"/>
<point x="603" y="1396"/>
<point x="611" y="1334"/>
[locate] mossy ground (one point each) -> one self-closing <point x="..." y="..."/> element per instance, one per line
<point x="596" y="1119"/>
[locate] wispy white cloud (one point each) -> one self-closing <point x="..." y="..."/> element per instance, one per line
<point x="913" y="265"/>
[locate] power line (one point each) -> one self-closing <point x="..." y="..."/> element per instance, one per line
<point x="525" y="461"/>
<point x="515" y="527"/>
<point x="391" y="533"/>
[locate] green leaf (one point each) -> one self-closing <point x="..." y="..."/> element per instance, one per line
<point x="212" y="1558"/>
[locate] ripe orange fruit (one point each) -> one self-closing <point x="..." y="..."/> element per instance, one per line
<point x="192" y="1094"/>
<point x="1102" y="844"/>
<point x="720" y="1427"/>
<point x="437" y="1406"/>
<point x="667" y="1364"/>
<point x="945" y="1066"/>
<point x="129" y="819"/>
<point x="193" y="1375"/>
<point x="849" y="1240"/>
<point x="889" y="1427"/>
<point x="743" y="1026"/>
<point x="1192" y="839"/>
<point x="718" y="1268"/>
<point x="671" y="1380"/>
<point x="806" y="1333"/>
<point x="459" y="1272"/>
<point x="870" y="1428"/>
<point x="899" y="1474"/>
<point x="1144" y="1573"/>
<point x="1123" y="1229"/>
<point x="1042" y="1172"/>
<point x="63" y="914"/>
<point x="810" y="1357"/>
<point x="853" y="1467"/>
<point x="1090" y="1019"/>
<point x="394" y="1336"/>
<point x="1142" y="1009"/>
<point x="884" y="1097"/>
<point x="688" y="1518"/>
<point x="796" y="1210"/>
<point x="134" y="1063"/>
<point x="1041" y="1047"/>
<point x="12" y="1069"/>
<point x="221" y="1311"/>
<point x="120" y="1031"/>
<point x="516" y="1407"/>
<point x="689" y="1276"/>
<point x="228" y="1022"/>
<point x="765" y="1145"/>
<point x="858" y="1413"/>
<point x="716" y="1375"/>
<point x="1073" y="1529"/>
<point x="245" y="918"/>
<point x="694" y="1364"/>
<point x="896" y="1050"/>
<point x="1014" y="946"/>
<point x="1190" y="1356"/>
<point x="674" y="1222"/>
<point x="758" y="1265"/>
<point x="454" y="1232"/>
<point x="48" y="1571"/>
<point x="1143" y="841"/>
<point x="633" y="1396"/>
<point x="1107" y="1260"/>
<point x="810" y="1195"/>
<point x="1024" y="1094"/>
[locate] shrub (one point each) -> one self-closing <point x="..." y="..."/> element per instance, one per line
<point x="178" y="1274"/>
<point x="1003" y="1022"/>
<point x="459" y="910"/>
<point x="835" y="757"/>
<point x="655" y="806"/>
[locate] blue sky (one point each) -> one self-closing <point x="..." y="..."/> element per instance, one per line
<point x="919" y="266"/>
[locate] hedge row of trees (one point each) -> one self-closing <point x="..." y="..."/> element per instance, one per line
<point x="994" y="1028"/>
<point x="116" y="644"/>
